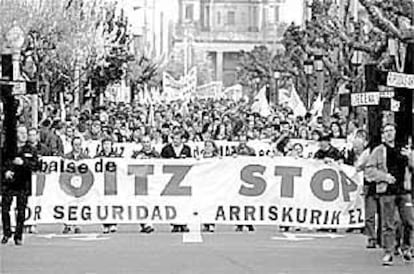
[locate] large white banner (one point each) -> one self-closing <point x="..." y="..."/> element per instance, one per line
<point x="244" y="190"/>
<point x="212" y="90"/>
<point x="172" y="89"/>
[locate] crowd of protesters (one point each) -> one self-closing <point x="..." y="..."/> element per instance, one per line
<point x="170" y="126"/>
<point x="217" y="120"/>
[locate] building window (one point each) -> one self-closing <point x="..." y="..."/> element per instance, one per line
<point x="218" y="18"/>
<point x="189" y="12"/>
<point x="206" y="18"/>
<point x="277" y="14"/>
<point x="231" y="18"/>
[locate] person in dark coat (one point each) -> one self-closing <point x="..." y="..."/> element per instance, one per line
<point x="41" y="150"/>
<point x="326" y="151"/>
<point x="34" y="141"/>
<point x="177" y="150"/>
<point x="244" y="150"/>
<point x="107" y="151"/>
<point x="17" y="183"/>
<point x="54" y="141"/>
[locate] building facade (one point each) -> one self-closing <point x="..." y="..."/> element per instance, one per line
<point x="152" y="24"/>
<point x="223" y="28"/>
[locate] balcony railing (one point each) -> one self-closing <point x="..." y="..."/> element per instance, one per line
<point x="251" y="35"/>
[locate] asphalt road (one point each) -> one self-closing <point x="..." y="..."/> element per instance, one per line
<point x="264" y="251"/>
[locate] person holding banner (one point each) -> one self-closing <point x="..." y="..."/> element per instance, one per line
<point x="210" y="151"/>
<point x="358" y="157"/>
<point x="17" y="183"/>
<point x="41" y="150"/>
<point x="177" y="150"/>
<point x="107" y="151"/>
<point x="388" y="166"/>
<point x="244" y="150"/>
<point x="327" y="151"/>
<point x="76" y="154"/>
<point x="147" y="152"/>
<point x="34" y="141"/>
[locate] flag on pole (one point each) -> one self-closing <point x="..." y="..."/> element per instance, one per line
<point x="317" y="106"/>
<point x="150" y="119"/>
<point x="291" y="98"/>
<point x="260" y="104"/>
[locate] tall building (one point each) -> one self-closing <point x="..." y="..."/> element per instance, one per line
<point x="152" y="25"/>
<point x="223" y="28"/>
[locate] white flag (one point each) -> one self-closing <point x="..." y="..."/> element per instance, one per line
<point x="260" y="104"/>
<point x="291" y="98"/>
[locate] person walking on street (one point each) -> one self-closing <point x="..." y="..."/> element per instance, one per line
<point x="387" y="166"/>
<point x="17" y="183"/>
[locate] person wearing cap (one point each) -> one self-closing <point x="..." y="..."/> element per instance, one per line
<point x="326" y="151"/>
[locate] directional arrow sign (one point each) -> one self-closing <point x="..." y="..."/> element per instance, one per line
<point x="365" y="99"/>
<point x="76" y="237"/>
<point x="320" y="235"/>
<point x="306" y="236"/>
<point x="92" y="238"/>
<point x="291" y="237"/>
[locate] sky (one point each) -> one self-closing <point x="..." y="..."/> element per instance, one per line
<point x="292" y="11"/>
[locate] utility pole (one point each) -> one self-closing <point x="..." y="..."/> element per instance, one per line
<point x="404" y="117"/>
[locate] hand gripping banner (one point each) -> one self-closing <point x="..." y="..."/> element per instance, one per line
<point x="245" y="190"/>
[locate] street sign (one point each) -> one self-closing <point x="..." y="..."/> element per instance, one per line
<point x="400" y="80"/>
<point x="395" y="105"/>
<point x="365" y="99"/>
<point x="19" y="88"/>
<point x="387" y="94"/>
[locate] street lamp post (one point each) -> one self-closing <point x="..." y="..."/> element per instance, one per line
<point x="256" y="84"/>
<point x="276" y="76"/>
<point x="308" y="67"/>
<point x="320" y="77"/>
<point x="356" y="62"/>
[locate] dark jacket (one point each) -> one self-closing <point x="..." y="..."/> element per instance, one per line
<point x="102" y="154"/>
<point x="22" y="179"/>
<point x="145" y="154"/>
<point x="42" y="150"/>
<point x="245" y="150"/>
<point x="55" y="145"/>
<point x="332" y="153"/>
<point x="72" y="156"/>
<point x="169" y="153"/>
